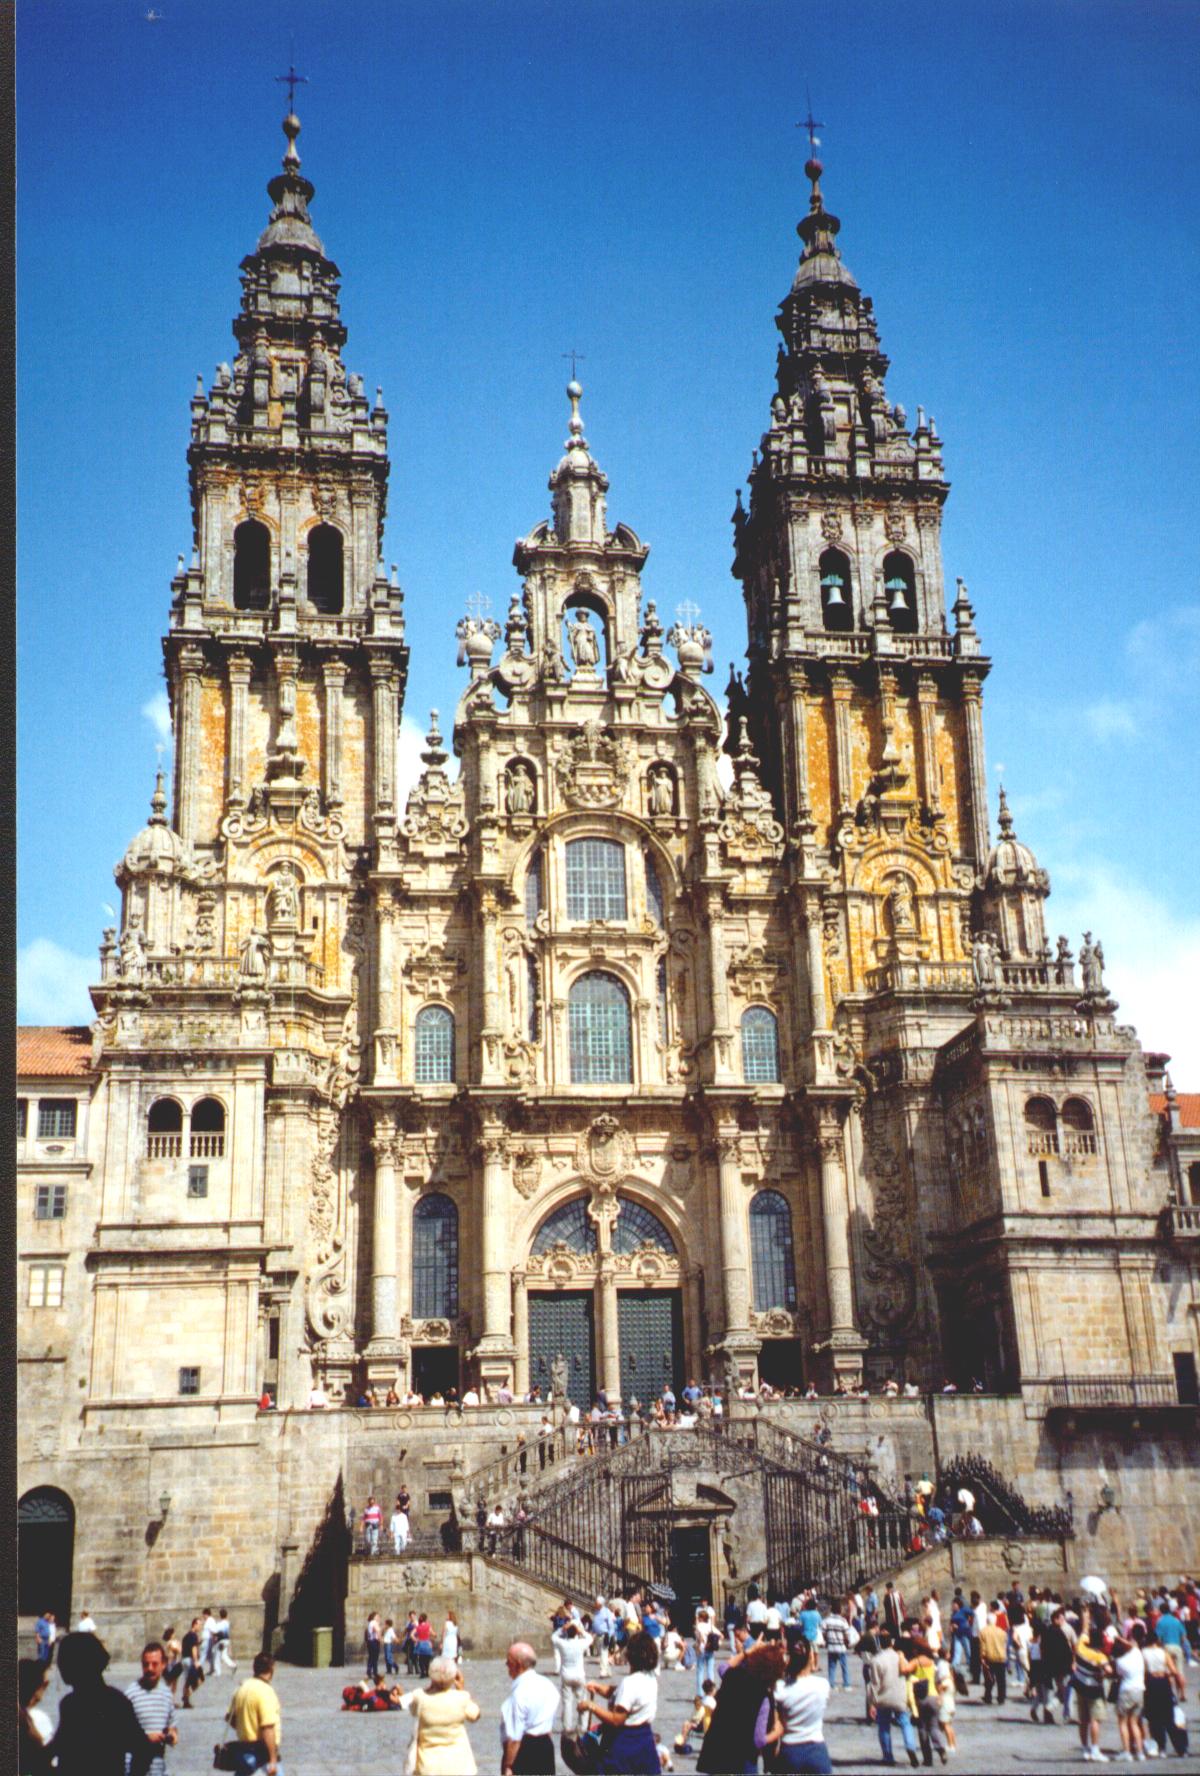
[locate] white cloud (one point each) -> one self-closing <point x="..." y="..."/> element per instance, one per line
<point x="1111" y="720"/>
<point x="52" y="984"/>
<point x="158" y="713"/>
<point x="1152" y="953"/>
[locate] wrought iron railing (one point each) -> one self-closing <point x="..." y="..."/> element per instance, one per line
<point x="1000" y="1508"/>
<point x="1113" y="1390"/>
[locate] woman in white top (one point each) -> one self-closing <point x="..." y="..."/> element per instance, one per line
<point x="672" y="1649"/>
<point x="1130" y="1662"/>
<point x="630" y="1749"/>
<point x="571" y="1643"/>
<point x="800" y="1702"/>
<point x="451" y="1640"/>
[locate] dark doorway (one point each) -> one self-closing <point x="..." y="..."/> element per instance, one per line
<point x="650" y="1325"/>
<point x="45" y="1553"/>
<point x="1187" y="1388"/>
<point x="562" y="1324"/>
<point x="689" y="1574"/>
<point x="781" y="1362"/>
<point x="435" y="1369"/>
<point x="251" y="566"/>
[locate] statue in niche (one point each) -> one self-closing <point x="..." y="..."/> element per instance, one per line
<point x="282" y="905"/>
<point x="983" y="961"/>
<point x="519" y="790"/>
<point x="662" y="792"/>
<point x="585" y="647"/>
<point x="900" y="905"/>
<point x="252" y="967"/>
<point x="1091" y="965"/>
<point x="558" y="1380"/>
<point x="132" y="964"/>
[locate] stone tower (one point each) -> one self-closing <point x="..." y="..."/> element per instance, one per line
<point x="245" y="936"/>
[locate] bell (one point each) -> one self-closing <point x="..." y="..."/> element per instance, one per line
<point x="898" y="601"/>
<point x="833" y="590"/>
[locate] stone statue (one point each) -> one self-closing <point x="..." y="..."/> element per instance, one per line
<point x="518" y="790"/>
<point x="900" y="905"/>
<point x="553" y="670"/>
<point x="1091" y="965"/>
<point x="983" y="960"/>
<point x="558" y="1379"/>
<point x="253" y="963"/>
<point x="281" y="901"/>
<point x="132" y="965"/>
<point x="585" y="648"/>
<point x="662" y="792"/>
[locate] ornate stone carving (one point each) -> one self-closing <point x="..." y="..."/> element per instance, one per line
<point x="433" y="814"/>
<point x="749" y="827"/>
<point x="604" y="1152"/>
<point x="432" y="1331"/>
<point x="754" y="971"/>
<point x="592" y="768"/>
<point x="890" y="1293"/>
<point x="775" y="1322"/>
<point x="831" y="525"/>
<point x="526" y="1171"/>
<point x="434" y="971"/>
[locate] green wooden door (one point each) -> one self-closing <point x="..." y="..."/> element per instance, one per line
<point x="563" y="1323"/>
<point x="650" y="1323"/>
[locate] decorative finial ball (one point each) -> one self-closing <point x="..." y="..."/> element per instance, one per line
<point x="813" y="170"/>
<point x="291" y="126"/>
<point x="574" y="390"/>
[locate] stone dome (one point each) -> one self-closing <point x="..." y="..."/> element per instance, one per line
<point x="1010" y="863"/>
<point x="158" y="848"/>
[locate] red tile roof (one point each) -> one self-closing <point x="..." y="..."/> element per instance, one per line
<point x="54" y="1051"/>
<point x="1189" y="1107"/>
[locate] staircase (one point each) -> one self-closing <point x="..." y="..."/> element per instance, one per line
<point x="1001" y="1509"/>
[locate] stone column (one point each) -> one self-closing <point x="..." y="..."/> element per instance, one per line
<point x="188" y="763"/>
<point x="495" y="1347"/>
<point x="387" y="1058"/>
<point x="385" y="1316"/>
<point x="735" y="1246"/>
<point x="799" y="733"/>
<point x="842" y="691"/>
<point x="490" y="1036"/>
<point x="972" y="694"/>
<point x="844" y="1341"/>
<point x="722" y="1034"/>
<point x="238" y="670"/>
<point x="927" y="739"/>
<point x="383" y="695"/>
<point x="334" y="676"/>
<point x="610" y="1332"/>
<point x="520" y="1306"/>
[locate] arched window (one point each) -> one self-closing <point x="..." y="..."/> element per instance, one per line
<point x="600" y="1032"/>
<point x="637" y="1226"/>
<point x="837" y="609"/>
<point x="569" y="1226"/>
<point x="1078" y="1127"/>
<point x="760" y="1046"/>
<point x="326" y="570"/>
<point x="655" y="905"/>
<point x="1041" y="1127"/>
<point x="900" y="588"/>
<point x="208" y="1129"/>
<point x="434" y="1046"/>
<point x="771" y="1254"/>
<point x="251" y="566"/>
<point x="533" y="889"/>
<point x="595" y="880"/>
<point x="435" y="1259"/>
<point x="164" y="1130"/>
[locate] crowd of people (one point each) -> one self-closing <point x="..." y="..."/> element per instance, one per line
<point x="695" y="1400"/>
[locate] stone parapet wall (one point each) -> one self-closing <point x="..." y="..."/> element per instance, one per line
<point x="492" y="1604"/>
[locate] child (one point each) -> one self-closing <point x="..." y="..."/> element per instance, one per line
<point x="944" y="1677"/>
<point x="664" y="1756"/>
<point x="702" y="1714"/>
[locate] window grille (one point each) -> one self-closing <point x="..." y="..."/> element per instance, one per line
<point x="570" y="1226"/>
<point x="600" y="1035"/>
<point x="595" y="880"/>
<point x="435" y="1259"/>
<point x="189" y="1381"/>
<point x="197" y="1181"/>
<point x="654" y="893"/>
<point x="50" y="1202"/>
<point x="46" y="1285"/>
<point x="56" y="1119"/>
<point x="771" y="1252"/>
<point x="638" y="1226"/>
<point x="760" y="1047"/>
<point x="434" y="1062"/>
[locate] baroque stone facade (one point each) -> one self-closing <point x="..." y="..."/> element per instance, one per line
<point x="652" y="1043"/>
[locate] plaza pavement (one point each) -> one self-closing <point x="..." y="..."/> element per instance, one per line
<point x="318" y="1740"/>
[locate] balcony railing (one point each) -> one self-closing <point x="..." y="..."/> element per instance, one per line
<point x="208" y="1146"/>
<point x="1078" y="1142"/>
<point x="164" y="1146"/>
<point x="1102" y="1392"/>
<point x="920" y="977"/>
<point x="1040" y="1142"/>
<point x="1184" y="1219"/>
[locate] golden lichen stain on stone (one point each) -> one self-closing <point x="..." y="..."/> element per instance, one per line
<point x="308" y="726"/>
<point x="210" y="800"/>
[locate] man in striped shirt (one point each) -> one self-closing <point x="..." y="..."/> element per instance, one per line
<point x="154" y="1706"/>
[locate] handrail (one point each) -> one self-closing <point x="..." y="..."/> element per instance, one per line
<point x="1016" y="1515"/>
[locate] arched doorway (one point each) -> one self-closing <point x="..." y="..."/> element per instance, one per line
<point x="45" y="1553"/>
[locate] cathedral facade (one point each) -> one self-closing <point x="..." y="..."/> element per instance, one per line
<point x="658" y="1041"/>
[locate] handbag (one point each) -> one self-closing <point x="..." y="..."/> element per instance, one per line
<point x="225" y="1757"/>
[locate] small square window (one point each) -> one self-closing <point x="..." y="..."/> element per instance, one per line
<point x="56" y="1119"/>
<point x="22" y="1118"/>
<point x="50" y="1202"/>
<point x="189" y="1381"/>
<point x="197" y="1181"/>
<point x="46" y="1285"/>
<point x="440" y="1501"/>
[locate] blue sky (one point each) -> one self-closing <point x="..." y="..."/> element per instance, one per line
<point x="500" y="182"/>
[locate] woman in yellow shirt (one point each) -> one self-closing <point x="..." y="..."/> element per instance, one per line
<point x="441" y="1714"/>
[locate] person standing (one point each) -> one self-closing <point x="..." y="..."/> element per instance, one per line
<point x="800" y="1701"/>
<point x="193" y="1669"/>
<point x="86" y="1623"/>
<point x="222" y="1636"/>
<point x="399" y="1527"/>
<point x="993" y="1651"/>
<point x="154" y="1706"/>
<point x="43" y="1637"/>
<point x="208" y="1642"/>
<point x="440" y="1714"/>
<point x="979" y="1615"/>
<point x="1089" y="1673"/>
<point x="604" y="1627"/>
<point x="372" y="1519"/>
<point x="33" y="1722"/>
<point x="389" y="1648"/>
<point x="97" y="1727"/>
<point x="887" y="1696"/>
<point x="1164" y="1688"/>
<point x="837" y="1632"/>
<point x="892" y="1614"/>
<point x="174" y="1652"/>
<point x="254" y="1715"/>
<point x="423" y="1644"/>
<point x="631" y="1707"/>
<point x="737" y="1730"/>
<point x="374" y="1639"/>
<point x="527" y="1716"/>
<point x="708" y="1641"/>
<point x="451" y="1640"/>
<point x="570" y="1645"/>
<point x="1130" y="1660"/>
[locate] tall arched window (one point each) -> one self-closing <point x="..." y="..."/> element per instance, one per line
<point x="760" y="1046"/>
<point x="1078" y="1126"/>
<point x="837" y="608"/>
<point x="45" y="1552"/>
<point x="433" y="1062"/>
<point x="900" y="588"/>
<point x="251" y="566"/>
<point x="1041" y="1127"/>
<point x="208" y="1129"/>
<point x="600" y="1032"/>
<point x="638" y="1226"/>
<point x="771" y="1254"/>
<point x="326" y="570"/>
<point x="164" y="1130"/>
<point x="435" y="1259"/>
<point x="595" y="880"/>
<point x="569" y="1226"/>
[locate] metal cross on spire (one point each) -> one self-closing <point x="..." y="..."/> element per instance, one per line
<point x="574" y="356"/>
<point x="687" y="612"/>
<point x="478" y="605"/>
<point x="291" y="80"/>
<point x="811" y="124"/>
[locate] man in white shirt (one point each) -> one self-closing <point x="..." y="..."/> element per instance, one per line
<point x="86" y="1623"/>
<point x="208" y="1642"/>
<point x="756" y="1615"/>
<point x="527" y="1717"/>
<point x="399" y="1528"/>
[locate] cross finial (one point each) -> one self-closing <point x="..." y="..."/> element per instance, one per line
<point x="478" y="605"/>
<point x="575" y="356"/>
<point x="811" y="124"/>
<point x="687" y="612"/>
<point x="291" y="80"/>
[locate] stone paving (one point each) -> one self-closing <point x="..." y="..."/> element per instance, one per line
<point x="320" y="1741"/>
